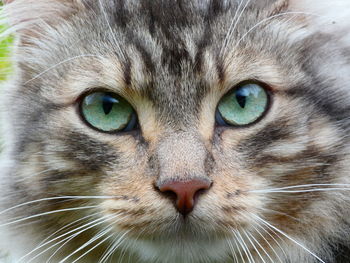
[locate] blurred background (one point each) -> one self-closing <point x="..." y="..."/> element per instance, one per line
<point x="5" y="44"/>
<point x="5" y="65"/>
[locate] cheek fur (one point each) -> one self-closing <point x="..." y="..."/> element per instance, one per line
<point x="278" y="189"/>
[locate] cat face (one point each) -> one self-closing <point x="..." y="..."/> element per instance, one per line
<point x="191" y="131"/>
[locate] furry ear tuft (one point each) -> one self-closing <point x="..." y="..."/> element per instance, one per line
<point x="26" y="16"/>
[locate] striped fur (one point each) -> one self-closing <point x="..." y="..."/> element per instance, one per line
<point x="173" y="61"/>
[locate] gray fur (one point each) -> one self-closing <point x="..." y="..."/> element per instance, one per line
<point x="173" y="61"/>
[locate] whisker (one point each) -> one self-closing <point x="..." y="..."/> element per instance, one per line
<point x="225" y="42"/>
<point x="108" y="250"/>
<point x="84" y="228"/>
<point x="116" y="243"/>
<point x="270" y="18"/>
<point x="310" y="185"/>
<point x="239" y="250"/>
<point x="236" y="23"/>
<point x="91" y="249"/>
<point x="66" y="241"/>
<point x="57" y="198"/>
<point x="59" y="64"/>
<point x="76" y="234"/>
<point x="290" y="189"/>
<point x="308" y="191"/>
<point x="48" y="213"/>
<point x="287" y="236"/>
<point x="72" y="236"/>
<point x="67" y="226"/>
<point x="125" y="248"/>
<point x="111" y="30"/>
<point x="255" y="248"/>
<point x="268" y="243"/>
<point x="232" y="249"/>
<point x="86" y="244"/>
<point x="97" y="236"/>
<point x="273" y="238"/>
<point x="263" y="249"/>
<point x="244" y="246"/>
<point x="279" y="213"/>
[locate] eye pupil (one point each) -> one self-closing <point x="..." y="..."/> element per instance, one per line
<point x="241" y="99"/>
<point x="107" y="105"/>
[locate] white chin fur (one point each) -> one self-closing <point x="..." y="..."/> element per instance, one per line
<point x="174" y="251"/>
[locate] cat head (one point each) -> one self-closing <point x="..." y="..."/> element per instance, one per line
<point x="184" y="128"/>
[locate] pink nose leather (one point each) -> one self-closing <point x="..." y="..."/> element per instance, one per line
<point x="186" y="193"/>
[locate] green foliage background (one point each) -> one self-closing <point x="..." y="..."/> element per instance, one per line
<point x="5" y="70"/>
<point x="5" y="65"/>
<point x="5" y="44"/>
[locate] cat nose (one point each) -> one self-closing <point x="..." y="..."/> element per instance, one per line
<point x="186" y="193"/>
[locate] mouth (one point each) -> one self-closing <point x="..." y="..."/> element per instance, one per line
<point x="185" y="228"/>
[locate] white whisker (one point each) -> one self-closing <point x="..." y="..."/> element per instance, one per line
<point x="263" y="249"/>
<point x="270" y="18"/>
<point x="306" y="191"/>
<point x="271" y="211"/>
<point x="61" y="63"/>
<point x="290" y="238"/>
<point x="244" y="247"/>
<point x="91" y="249"/>
<point x="66" y="241"/>
<point x="236" y="23"/>
<point x="48" y="213"/>
<point x="57" y="198"/>
<point x="97" y="236"/>
<point x="327" y="187"/>
<point x="239" y="250"/>
<point x="268" y="243"/>
<point x="86" y="244"/>
<point x="84" y="228"/>
<point x="116" y="243"/>
<point x="228" y="35"/>
<point x="277" y="235"/>
<point x="108" y="250"/>
<point x="232" y="249"/>
<point x="67" y="226"/>
<point x="255" y="248"/>
<point x="111" y="30"/>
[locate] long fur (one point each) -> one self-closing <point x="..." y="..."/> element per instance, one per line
<point x="280" y="186"/>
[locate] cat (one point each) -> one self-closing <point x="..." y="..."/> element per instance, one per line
<point x="176" y="131"/>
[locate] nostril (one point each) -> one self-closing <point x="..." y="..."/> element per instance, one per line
<point x="197" y="194"/>
<point x="170" y="194"/>
<point x="185" y="193"/>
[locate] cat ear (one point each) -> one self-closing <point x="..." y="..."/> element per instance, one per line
<point x="26" y="16"/>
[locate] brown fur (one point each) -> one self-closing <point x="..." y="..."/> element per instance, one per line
<point x="174" y="61"/>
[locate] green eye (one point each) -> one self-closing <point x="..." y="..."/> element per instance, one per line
<point x="108" y="112"/>
<point x="242" y="106"/>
